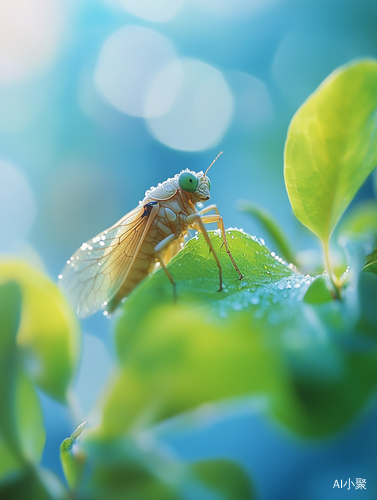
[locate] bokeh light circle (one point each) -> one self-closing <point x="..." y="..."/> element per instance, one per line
<point x="200" y="101"/>
<point x="17" y="206"/>
<point x="128" y="61"/>
<point x="30" y="32"/>
<point x="158" y="11"/>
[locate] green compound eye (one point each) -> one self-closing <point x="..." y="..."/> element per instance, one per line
<point x="209" y="184"/>
<point x="188" y="182"/>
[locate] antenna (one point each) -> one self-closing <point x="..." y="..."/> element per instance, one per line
<point x="213" y="163"/>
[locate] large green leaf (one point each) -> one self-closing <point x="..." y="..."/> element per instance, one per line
<point x="48" y="336"/>
<point x="257" y="336"/>
<point x="268" y="280"/>
<point x="331" y="146"/>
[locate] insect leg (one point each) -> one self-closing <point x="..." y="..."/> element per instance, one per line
<point x="195" y="219"/>
<point x="158" y="249"/>
<point x="209" y="208"/>
<point x="207" y="219"/>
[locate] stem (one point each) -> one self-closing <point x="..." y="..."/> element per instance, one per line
<point x="334" y="280"/>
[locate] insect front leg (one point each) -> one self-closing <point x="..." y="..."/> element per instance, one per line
<point x="158" y="249"/>
<point x="207" y="219"/>
<point x="197" y="220"/>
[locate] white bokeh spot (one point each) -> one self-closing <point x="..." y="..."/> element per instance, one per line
<point x="130" y="58"/>
<point x="199" y="105"/>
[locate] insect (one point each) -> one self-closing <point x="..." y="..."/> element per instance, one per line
<point x="108" y="267"/>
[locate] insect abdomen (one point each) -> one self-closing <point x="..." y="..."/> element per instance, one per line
<point x="143" y="265"/>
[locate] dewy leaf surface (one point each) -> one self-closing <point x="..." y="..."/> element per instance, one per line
<point x="331" y="146"/>
<point x="268" y="280"/>
<point x="210" y="345"/>
<point x="256" y="337"/>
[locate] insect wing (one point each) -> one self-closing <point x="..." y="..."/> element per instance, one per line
<point x="97" y="269"/>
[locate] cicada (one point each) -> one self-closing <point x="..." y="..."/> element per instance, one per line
<point x="108" y="267"/>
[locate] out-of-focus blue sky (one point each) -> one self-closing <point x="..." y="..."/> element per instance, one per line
<point x="101" y="99"/>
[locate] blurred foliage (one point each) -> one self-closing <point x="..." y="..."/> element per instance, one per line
<point x="48" y="335"/>
<point x="38" y="345"/>
<point x="272" y="227"/>
<point x="371" y="263"/>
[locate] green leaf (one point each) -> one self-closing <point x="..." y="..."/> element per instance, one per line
<point x="256" y="337"/>
<point x="124" y="468"/>
<point x="208" y="347"/>
<point x="225" y="478"/>
<point x="331" y="146"/>
<point x="10" y="304"/>
<point x="35" y="484"/>
<point x="21" y="419"/>
<point x="371" y="263"/>
<point x="268" y="279"/>
<point x="319" y="291"/>
<point x="49" y="334"/>
<point x="11" y="465"/>
<point x="29" y="418"/>
<point x="272" y="227"/>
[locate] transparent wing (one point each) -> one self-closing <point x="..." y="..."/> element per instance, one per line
<point x="97" y="269"/>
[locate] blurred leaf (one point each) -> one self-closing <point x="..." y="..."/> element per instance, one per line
<point x="331" y="146"/>
<point x="34" y="484"/>
<point x="319" y="291"/>
<point x="10" y="304"/>
<point x="367" y="295"/>
<point x="226" y="478"/>
<point x="11" y="465"/>
<point x="371" y="263"/>
<point x="29" y="418"/>
<point x="180" y="361"/>
<point x="124" y="468"/>
<point x="49" y="332"/>
<point x="361" y="222"/>
<point x="272" y="227"/>
<point x="21" y="418"/>
<point x="120" y="469"/>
